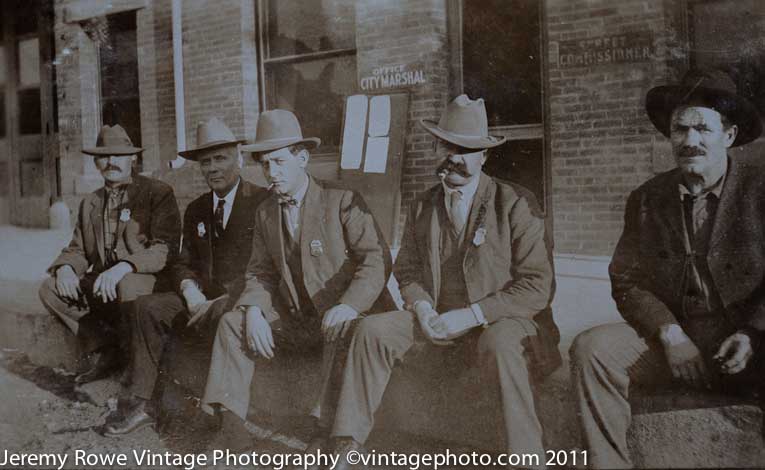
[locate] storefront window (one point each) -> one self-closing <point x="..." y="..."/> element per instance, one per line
<point x="118" y="64"/>
<point x="309" y="63"/>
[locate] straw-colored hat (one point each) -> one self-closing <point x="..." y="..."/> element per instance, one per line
<point x="210" y="134"/>
<point x="464" y="123"/>
<point x="278" y="128"/>
<point x="113" y="140"/>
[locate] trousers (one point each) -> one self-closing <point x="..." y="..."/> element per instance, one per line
<point x="499" y="351"/>
<point x="95" y="323"/>
<point x="608" y="360"/>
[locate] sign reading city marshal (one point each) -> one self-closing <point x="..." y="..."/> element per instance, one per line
<point x="391" y="76"/>
<point x="624" y="48"/>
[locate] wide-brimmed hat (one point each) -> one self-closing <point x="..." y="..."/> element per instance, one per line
<point x="113" y="140"/>
<point x="464" y="123"/>
<point x="714" y="89"/>
<point x="211" y="134"/>
<point x="278" y="128"/>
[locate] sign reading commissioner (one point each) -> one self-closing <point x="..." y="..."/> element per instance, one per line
<point x="616" y="49"/>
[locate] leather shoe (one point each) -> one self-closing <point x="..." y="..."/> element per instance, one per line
<point x="99" y="365"/>
<point x="134" y="418"/>
<point x="344" y="445"/>
<point x="233" y="434"/>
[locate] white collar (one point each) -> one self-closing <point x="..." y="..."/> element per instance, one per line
<point x="229" y="198"/>
<point x="468" y="190"/>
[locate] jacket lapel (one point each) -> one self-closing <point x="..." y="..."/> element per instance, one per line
<point x="482" y="194"/>
<point x="134" y="194"/>
<point x="239" y="209"/>
<point x="275" y="242"/>
<point x="727" y="208"/>
<point x="97" y="221"/>
<point x="669" y="208"/>
<point x="434" y="240"/>
<point x="207" y="221"/>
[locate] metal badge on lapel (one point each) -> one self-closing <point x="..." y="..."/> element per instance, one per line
<point x="125" y="215"/>
<point x="480" y="236"/>
<point x="201" y="230"/>
<point x="316" y="248"/>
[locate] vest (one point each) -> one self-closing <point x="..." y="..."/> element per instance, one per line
<point x="453" y="292"/>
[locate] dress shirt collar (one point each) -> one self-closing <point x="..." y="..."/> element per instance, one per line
<point x="229" y="198"/>
<point x="716" y="189"/>
<point x="468" y="191"/>
<point x="299" y="195"/>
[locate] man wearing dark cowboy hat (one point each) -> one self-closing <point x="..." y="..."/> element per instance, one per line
<point x="318" y="262"/>
<point x="124" y="235"/>
<point x="688" y="270"/>
<point x="476" y="280"/>
<point x="208" y="274"/>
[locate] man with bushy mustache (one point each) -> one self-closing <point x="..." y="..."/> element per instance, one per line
<point x="687" y="274"/>
<point x="476" y="279"/>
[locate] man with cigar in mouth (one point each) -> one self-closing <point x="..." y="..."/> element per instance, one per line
<point x="319" y="262"/>
<point x="687" y="274"/>
<point x="476" y="279"/>
<point x="125" y="234"/>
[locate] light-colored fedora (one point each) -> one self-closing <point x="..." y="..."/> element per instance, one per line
<point x="113" y="140"/>
<point x="278" y="128"/>
<point x="464" y="123"/>
<point x="211" y="134"/>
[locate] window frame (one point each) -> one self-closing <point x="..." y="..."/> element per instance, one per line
<point x="261" y="34"/>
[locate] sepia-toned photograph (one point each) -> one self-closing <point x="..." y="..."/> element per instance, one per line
<point x="382" y="234"/>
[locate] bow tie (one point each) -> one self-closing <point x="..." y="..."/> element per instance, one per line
<point x="288" y="201"/>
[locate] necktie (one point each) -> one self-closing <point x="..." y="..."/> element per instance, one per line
<point x="218" y="216"/>
<point x="290" y="213"/>
<point x="457" y="211"/>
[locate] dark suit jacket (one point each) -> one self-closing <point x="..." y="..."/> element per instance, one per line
<point x="344" y="256"/>
<point x="647" y="266"/>
<point x="151" y="235"/>
<point x="233" y="249"/>
<point x="510" y="274"/>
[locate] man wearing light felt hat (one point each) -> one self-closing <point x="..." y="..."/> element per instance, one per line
<point x="477" y="281"/>
<point x="124" y="236"/>
<point x="687" y="273"/>
<point x="208" y="274"/>
<point x="318" y="262"/>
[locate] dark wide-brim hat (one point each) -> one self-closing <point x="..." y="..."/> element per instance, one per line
<point x="211" y="134"/>
<point x="278" y="128"/>
<point x="464" y="123"/>
<point x="708" y="88"/>
<point x="112" y="140"/>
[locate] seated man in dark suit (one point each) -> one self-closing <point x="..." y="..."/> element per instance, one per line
<point x="687" y="274"/>
<point x="126" y="233"/>
<point x="208" y="274"/>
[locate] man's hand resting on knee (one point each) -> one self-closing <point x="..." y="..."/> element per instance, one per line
<point x="684" y="358"/>
<point x="257" y="333"/>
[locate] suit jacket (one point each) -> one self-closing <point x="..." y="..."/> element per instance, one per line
<point x="507" y="266"/>
<point x="232" y="250"/>
<point x="344" y="256"/>
<point x="647" y="267"/>
<point x="151" y="235"/>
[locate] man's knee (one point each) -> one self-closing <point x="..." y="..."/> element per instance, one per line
<point x="231" y="326"/>
<point x="589" y="345"/>
<point x="134" y="285"/>
<point x="375" y="334"/>
<point x="510" y="337"/>
<point x="50" y="298"/>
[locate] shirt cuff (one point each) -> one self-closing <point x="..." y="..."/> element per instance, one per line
<point x="424" y="302"/>
<point x="186" y="283"/>
<point x="479" y="316"/>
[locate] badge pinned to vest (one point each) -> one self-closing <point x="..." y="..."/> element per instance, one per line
<point x="316" y="248"/>
<point x="201" y="230"/>
<point x="480" y="236"/>
<point x="125" y="215"/>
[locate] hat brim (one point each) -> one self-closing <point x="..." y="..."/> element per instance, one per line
<point x="661" y="101"/>
<point x="276" y="144"/>
<point x="467" y="141"/>
<point x="193" y="154"/>
<point x="116" y="151"/>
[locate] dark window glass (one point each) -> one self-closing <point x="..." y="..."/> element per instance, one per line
<point x="316" y="91"/>
<point x="2" y="113"/>
<point x="24" y="16"/>
<point x="4" y="179"/>
<point x="300" y="27"/>
<point x="29" y="111"/>
<point x="501" y="59"/>
<point x="520" y="162"/>
<point x="119" y="76"/>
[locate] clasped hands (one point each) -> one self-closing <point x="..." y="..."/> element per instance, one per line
<point x="259" y="337"/>
<point x="687" y="364"/>
<point x="68" y="283"/>
<point x="442" y="329"/>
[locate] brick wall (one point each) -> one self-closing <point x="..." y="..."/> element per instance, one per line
<point x="409" y="32"/>
<point x="603" y="144"/>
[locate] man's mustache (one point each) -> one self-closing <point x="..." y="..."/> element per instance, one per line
<point x="688" y="152"/>
<point x="448" y="167"/>
<point x="110" y="167"/>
